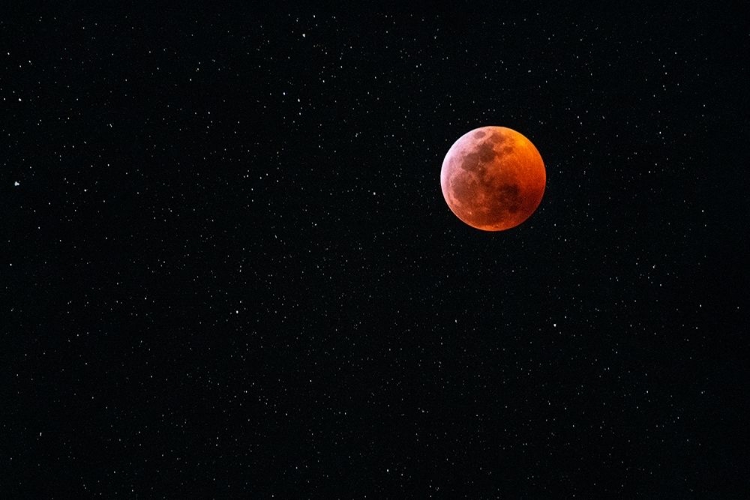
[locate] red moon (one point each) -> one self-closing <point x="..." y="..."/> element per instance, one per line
<point x="493" y="178"/>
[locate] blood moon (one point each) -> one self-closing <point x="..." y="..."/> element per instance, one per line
<point x="493" y="178"/>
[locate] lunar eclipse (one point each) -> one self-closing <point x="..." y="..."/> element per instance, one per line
<point x="493" y="178"/>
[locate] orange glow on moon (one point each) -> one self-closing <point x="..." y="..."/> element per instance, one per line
<point x="493" y="178"/>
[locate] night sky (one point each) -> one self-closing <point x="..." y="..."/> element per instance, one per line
<point x="228" y="270"/>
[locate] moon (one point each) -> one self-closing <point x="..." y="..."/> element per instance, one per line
<point x="493" y="178"/>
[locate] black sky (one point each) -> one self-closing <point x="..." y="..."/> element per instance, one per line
<point x="229" y="272"/>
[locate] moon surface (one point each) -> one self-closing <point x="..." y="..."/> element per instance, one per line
<point x="493" y="178"/>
